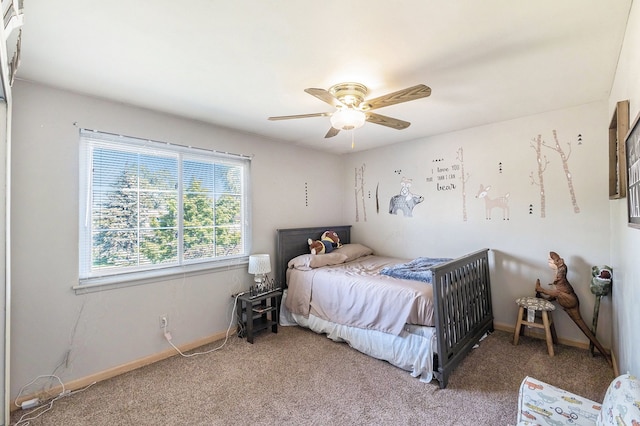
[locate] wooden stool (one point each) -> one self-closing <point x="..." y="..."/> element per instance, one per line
<point x="533" y="305"/>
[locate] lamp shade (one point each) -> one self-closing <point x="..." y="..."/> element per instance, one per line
<point x="259" y="264"/>
<point x="347" y="119"/>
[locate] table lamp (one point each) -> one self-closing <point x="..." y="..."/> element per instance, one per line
<point x="259" y="265"/>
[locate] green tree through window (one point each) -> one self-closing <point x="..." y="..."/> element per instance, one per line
<point x="157" y="208"/>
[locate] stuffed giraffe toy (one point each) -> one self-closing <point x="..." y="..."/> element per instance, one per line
<point x="565" y="296"/>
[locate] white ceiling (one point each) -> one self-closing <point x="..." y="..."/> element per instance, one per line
<point x="236" y="62"/>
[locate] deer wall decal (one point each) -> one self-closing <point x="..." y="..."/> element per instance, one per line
<point x="489" y="203"/>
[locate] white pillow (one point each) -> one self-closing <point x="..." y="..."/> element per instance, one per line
<point x="306" y="262"/>
<point x="353" y="251"/>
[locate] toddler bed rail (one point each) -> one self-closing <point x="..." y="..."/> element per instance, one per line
<point x="462" y="297"/>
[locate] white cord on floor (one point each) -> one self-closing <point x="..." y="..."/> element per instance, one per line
<point x="233" y="312"/>
<point x="26" y="421"/>
<point x="35" y="380"/>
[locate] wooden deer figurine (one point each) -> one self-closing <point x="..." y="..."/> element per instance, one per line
<point x="490" y="204"/>
<point x="565" y="296"/>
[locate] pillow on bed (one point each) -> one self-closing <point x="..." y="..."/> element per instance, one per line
<point x="306" y="262"/>
<point x="353" y="251"/>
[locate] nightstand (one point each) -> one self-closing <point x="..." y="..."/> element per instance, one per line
<point x="257" y="313"/>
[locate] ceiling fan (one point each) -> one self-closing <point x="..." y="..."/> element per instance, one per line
<point x="352" y="110"/>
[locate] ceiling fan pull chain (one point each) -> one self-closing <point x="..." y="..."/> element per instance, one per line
<point x="352" y="139"/>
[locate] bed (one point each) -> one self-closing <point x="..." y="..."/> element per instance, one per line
<point x="453" y="317"/>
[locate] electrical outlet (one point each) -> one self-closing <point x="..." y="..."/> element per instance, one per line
<point x="164" y="321"/>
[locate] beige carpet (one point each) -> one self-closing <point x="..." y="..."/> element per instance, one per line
<point x="297" y="377"/>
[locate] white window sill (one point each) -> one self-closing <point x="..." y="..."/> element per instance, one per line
<point x="111" y="282"/>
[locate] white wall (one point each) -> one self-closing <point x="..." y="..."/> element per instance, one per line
<point x="5" y="143"/>
<point x="625" y="241"/>
<point x="55" y="330"/>
<point x="500" y="155"/>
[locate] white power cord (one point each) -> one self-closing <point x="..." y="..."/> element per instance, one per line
<point x="167" y="335"/>
<point x="40" y="405"/>
<point x="53" y="376"/>
<point x="24" y="420"/>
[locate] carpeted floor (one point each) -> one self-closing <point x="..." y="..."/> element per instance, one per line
<point x="297" y="377"/>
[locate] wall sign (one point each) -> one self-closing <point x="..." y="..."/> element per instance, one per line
<point x="632" y="148"/>
<point x="617" y="161"/>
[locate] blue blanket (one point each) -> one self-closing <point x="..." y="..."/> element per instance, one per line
<point x="418" y="269"/>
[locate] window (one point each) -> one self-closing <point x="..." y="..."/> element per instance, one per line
<point x="150" y="208"/>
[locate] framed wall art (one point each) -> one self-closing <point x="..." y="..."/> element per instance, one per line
<point x="617" y="161"/>
<point x="632" y="149"/>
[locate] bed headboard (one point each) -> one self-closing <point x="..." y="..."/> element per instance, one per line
<point x="292" y="242"/>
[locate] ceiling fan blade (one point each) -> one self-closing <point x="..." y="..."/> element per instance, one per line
<point x="332" y="132"/>
<point x="383" y="120"/>
<point x="325" y="96"/>
<point x="405" y="95"/>
<point x="289" y="117"/>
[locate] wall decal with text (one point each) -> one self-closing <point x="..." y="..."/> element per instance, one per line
<point x="444" y="176"/>
<point x="451" y="177"/>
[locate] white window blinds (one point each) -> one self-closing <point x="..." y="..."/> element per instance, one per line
<point x="148" y="205"/>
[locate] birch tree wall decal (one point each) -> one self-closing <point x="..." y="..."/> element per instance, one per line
<point x="463" y="178"/>
<point x="536" y="144"/>
<point x="359" y="189"/>
<point x="565" y="165"/>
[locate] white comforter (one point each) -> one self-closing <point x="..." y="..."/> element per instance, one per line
<point x="356" y="294"/>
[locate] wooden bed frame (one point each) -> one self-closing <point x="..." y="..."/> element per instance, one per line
<point x="461" y="292"/>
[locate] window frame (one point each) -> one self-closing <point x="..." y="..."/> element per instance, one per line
<point x="96" y="280"/>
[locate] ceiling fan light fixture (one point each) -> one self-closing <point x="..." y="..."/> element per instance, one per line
<point x="347" y="119"/>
